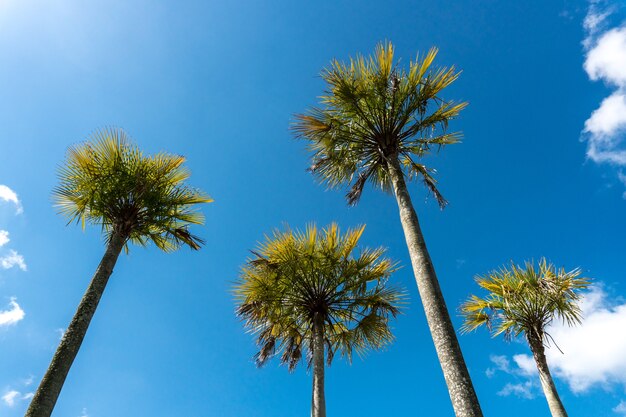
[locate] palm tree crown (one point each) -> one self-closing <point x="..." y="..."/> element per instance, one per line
<point x="297" y="279"/>
<point x="108" y="181"/>
<point x="525" y="300"/>
<point x="374" y="112"/>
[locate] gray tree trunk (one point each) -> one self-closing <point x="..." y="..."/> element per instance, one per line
<point x="318" y="402"/>
<point x="460" y="388"/>
<point x="49" y="389"/>
<point x="547" y="383"/>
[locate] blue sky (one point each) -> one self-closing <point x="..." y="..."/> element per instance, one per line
<point x="540" y="172"/>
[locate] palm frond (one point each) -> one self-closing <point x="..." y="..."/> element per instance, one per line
<point x="525" y="300"/>
<point x="108" y="181"/>
<point x="374" y="111"/>
<point x="295" y="276"/>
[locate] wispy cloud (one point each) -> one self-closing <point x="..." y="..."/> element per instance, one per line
<point x="620" y="408"/>
<point x="12" y="397"/>
<point x="84" y="413"/>
<point x="521" y="369"/>
<point x="501" y="363"/>
<point x="605" y="60"/>
<point x="622" y="179"/>
<point x="524" y="365"/>
<point x="595" y="19"/>
<point x="61" y="332"/>
<point x="523" y="390"/>
<point x="7" y="194"/>
<point x="13" y="315"/>
<point x="28" y="381"/>
<point x="11" y="260"/>
<point x="4" y="237"/>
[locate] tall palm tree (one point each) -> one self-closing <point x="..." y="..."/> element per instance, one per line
<point x="375" y="124"/>
<point x="525" y="301"/>
<point x="307" y="293"/>
<point x="107" y="181"/>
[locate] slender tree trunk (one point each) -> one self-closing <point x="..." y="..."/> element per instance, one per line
<point x="547" y="383"/>
<point x="49" y="389"/>
<point x="455" y="371"/>
<point x="318" y="402"/>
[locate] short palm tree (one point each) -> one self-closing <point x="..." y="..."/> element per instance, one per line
<point x="375" y="124"/>
<point x="525" y="301"/>
<point x="107" y="181"/>
<point x="307" y="294"/>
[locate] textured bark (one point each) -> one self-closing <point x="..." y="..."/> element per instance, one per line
<point x="460" y="388"/>
<point x="547" y="383"/>
<point x="318" y="402"/>
<point x="49" y="389"/>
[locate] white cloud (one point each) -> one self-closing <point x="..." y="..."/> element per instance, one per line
<point x="620" y="408"/>
<point x="61" y="332"/>
<point x="13" y="396"/>
<point x="594" y="352"/>
<point x="84" y="413"/>
<point x="28" y="381"/>
<point x="10" y="397"/>
<point x="525" y="365"/>
<point x="13" y="315"/>
<point x="595" y="19"/>
<point x="608" y="121"/>
<point x="9" y="195"/>
<point x="13" y="259"/>
<point x="522" y="390"/>
<point x="524" y="371"/>
<point x="605" y="60"/>
<point x="4" y="237"/>
<point x="501" y="363"/>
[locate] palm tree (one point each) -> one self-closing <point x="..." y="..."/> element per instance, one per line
<point x="107" y="181"/>
<point x="306" y="293"/>
<point x="525" y="301"/>
<point x="376" y="123"/>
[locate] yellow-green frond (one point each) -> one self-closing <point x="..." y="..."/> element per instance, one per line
<point x="294" y="276"/>
<point x="108" y="181"/>
<point x="374" y="109"/>
<point x="525" y="300"/>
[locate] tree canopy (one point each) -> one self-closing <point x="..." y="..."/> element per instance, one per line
<point x="108" y="181"/>
<point x="525" y="300"/>
<point x="295" y="277"/>
<point x="374" y="110"/>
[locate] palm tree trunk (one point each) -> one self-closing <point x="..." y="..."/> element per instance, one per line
<point x="49" y="389"/>
<point x="547" y="383"/>
<point x="318" y="402"/>
<point x="460" y="388"/>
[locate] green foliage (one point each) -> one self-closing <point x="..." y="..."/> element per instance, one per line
<point x="107" y="181"/>
<point x="525" y="300"/>
<point x="296" y="277"/>
<point x="373" y="111"/>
